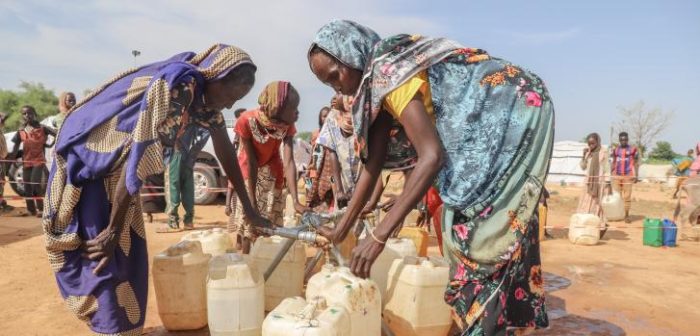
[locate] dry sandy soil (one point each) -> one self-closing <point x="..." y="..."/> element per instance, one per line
<point x="618" y="287"/>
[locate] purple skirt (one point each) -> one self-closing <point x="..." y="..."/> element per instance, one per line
<point x="113" y="302"/>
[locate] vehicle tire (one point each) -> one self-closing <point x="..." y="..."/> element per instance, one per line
<point x="204" y="178"/>
<point x="151" y="199"/>
<point x="16" y="178"/>
<point x="14" y="174"/>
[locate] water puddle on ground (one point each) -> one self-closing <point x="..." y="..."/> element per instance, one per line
<point x="553" y="282"/>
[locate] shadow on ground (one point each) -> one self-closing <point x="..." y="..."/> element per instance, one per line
<point x="160" y="331"/>
<point x="13" y="227"/>
<point x="615" y="235"/>
<point x="611" y="234"/>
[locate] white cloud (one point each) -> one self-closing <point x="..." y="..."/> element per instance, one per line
<point x="76" y="46"/>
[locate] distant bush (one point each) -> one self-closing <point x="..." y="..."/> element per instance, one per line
<point x="662" y="151"/>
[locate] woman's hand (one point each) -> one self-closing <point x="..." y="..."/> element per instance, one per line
<point x="367" y="210"/>
<point x="259" y="222"/>
<point x="364" y="256"/>
<point x="227" y="210"/>
<point x="329" y="233"/>
<point x="101" y="248"/>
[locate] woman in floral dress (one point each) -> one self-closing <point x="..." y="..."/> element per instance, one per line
<point x="478" y="127"/>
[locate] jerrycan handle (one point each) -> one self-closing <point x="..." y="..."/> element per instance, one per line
<point x="307" y="313"/>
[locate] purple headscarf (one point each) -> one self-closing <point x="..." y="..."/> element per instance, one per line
<point x="124" y="101"/>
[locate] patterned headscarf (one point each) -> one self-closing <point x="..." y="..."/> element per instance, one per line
<point x="137" y="101"/>
<point x="361" y="48"/>
<point x="349" y="42"/>
<point x="118" y="124"/>
<point x="272" y="100"/>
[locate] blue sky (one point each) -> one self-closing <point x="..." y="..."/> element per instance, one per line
<point x="593" y="55"/>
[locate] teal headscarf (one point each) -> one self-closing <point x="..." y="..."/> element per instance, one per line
<point x="349" y="42"/>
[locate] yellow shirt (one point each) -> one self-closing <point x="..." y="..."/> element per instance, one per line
<point x="396" y="101"/>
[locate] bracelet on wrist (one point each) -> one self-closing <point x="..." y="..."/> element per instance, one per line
<point x="371" y="234"/>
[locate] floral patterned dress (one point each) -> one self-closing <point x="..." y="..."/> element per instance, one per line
<point x="495" y="122"/>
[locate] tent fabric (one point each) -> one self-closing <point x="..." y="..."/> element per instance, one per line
<point x="565" y="164"/>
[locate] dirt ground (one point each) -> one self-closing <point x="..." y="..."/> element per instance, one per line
<point x="618" y="287"/>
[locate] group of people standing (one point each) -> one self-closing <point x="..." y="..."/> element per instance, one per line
<point x="618" y="170"/>
<point x="477" y="128"/>
<point x="606" y="171"/>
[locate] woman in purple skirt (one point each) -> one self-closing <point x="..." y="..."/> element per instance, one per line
<point x="109" y="143"/>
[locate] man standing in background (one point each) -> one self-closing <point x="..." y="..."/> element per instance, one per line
<point x="179" y="161"/>
<point x="625" y="159"/>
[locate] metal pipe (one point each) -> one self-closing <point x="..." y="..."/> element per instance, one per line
<point x="278" y="258"/>
<point x="296" y="233"/>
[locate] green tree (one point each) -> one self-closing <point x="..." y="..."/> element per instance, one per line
<point x="42" y="99"/>
<point x="662" y="151"/>
<point x="306" y="136"/>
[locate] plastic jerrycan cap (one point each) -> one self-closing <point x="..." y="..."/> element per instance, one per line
<point x="425" y="262"/>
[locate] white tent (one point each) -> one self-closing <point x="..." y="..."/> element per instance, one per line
<point x="564" y="166"/>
